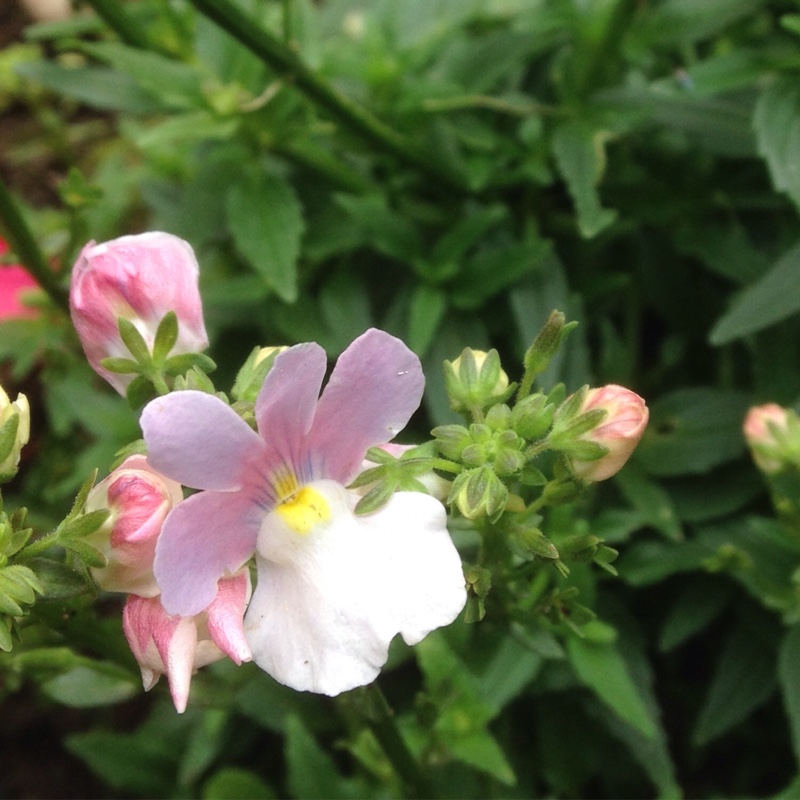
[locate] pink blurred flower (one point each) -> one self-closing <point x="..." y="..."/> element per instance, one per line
<point x="178" y="646"/>
<point x="139" y="278"/>
<point x="15" y="281"/>
<point x="139" y="499"/>
<point x="620" y="431"/>
<point x="764" y="429"/>
<point x="333" y="588"/>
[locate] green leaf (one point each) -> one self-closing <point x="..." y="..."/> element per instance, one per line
<point x="651" y="500"/>
<point x="743" y="680"/>
<point x="427" y="310"/>
<point x="772" y="298"/>
<point x="777" y="125"/>
<point x="238" y="783"/>
<point x="57" y="579"/>
<point x="603" y="669"/>
<point x="578" y="150"/>
<point x="175" y="83"/>
<point x="693" y="430"/>
<point x="266" y="220"/>
<point x="789" y="678"/>
<point x="693" y="610"/>
<point x="92" y="684"/>
<point x="103" y="89"/>
<point x="312" y="773"/>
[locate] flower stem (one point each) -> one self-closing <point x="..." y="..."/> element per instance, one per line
<point x="380" y="719"/>
<point x="285" y="60"/>
<point x="25" y="246"/>
<point x="127" y="28"/>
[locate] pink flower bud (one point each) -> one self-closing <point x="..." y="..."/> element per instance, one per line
<point x="762" y="427"/>
<point x="15" y="281"/>
<point x="139" y="499"/>
<point x="177" y="646"/>
<point x="620" y="431"/>
<point x="140" y="278"/>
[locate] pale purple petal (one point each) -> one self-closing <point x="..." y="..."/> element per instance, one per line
<point x="206" y="536"/>
<point x="328" y="603"/>
<point x="374" y="389"/>
<point x="198" y="440"/>
<point x="286" y="404"/>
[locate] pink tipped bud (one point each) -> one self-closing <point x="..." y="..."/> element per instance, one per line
<point x="140" y="278"/>
<point x="763" y="428"/>
<point x="178" y="646"/>
<point x="139" y="499"/>
<point x="620" y="430"/>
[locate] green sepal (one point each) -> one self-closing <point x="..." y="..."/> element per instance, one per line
<point x="531" y="542"/>
<point x="184" y="362"/>
<point x="166" y="337"/>
<point x="8" y="436"/>
<point x="134" y="341"/>
<point x="377" y="497"/>
<point x="121" y="366"/>
<point x="251" y="376"/>
<point x="140" y="391"/>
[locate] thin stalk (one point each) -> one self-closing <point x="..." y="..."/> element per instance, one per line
<point x="25" y="246"/>
<point x="113" y="13"/>
<point x="380" y="719"/>
<point x="289" y="64"/>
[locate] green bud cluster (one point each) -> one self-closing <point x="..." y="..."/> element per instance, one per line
<point x="476" y="381"/>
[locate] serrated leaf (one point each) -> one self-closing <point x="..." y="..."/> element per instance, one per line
<point x="58" y="581"/>
<point x="266" y="220"/>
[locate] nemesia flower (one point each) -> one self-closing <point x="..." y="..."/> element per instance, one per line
<point x="15" y="280"/>
<point x="178" y="646"/>
<point x="13" y="441"/>
<point x="140" y="278"/>
<point x="139" y="500"/>
<point x="333" y="588"/>
<point x="763" y="427"/>
<point x="620" y="431"/>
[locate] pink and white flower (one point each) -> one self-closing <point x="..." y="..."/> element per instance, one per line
<point x="333" y="588"/>
<point x="178" y="646"/>
<point x="767" y="433"/>
<point x="625" y="422"/>
<point x="139" y="499"/>
<point x="140" y="278"/>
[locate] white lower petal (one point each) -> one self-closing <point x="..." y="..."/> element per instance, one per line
<point x="328" y="602"/>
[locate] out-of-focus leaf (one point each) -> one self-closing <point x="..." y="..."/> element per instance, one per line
<point x="312" y="773"/>
<point x="235" y="783"/>
<point x="772" y="298"/>
<point x="692" y="610"/>
<point x="428" y="306"/>
<point x="743" y="680"/>
<point x="777" y="126"/>
<point x="789" y="677"/>
<point x="693" y="430"/>
<point x="602" y="668"/>
<point x="92" y="684"/>
<point x="97" y="87"/>
<point x="266" y="220"/>
<point x="651" y="500"/>
<point x="578" y="150"/>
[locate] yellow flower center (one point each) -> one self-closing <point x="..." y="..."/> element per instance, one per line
<point x="304" y="510"/>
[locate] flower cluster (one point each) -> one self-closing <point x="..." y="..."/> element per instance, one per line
<point x="333" y="587"/>
<point x="345" y="531"/>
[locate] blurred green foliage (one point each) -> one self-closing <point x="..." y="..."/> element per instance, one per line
<point x="450" y="171"/>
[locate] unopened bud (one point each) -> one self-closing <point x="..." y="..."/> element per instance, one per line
<point x="475" y="380"/>
<point x="768" y="431"/>
<point x="15" y="428"/>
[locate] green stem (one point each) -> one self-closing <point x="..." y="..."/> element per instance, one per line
<point x="288" y="63"/>
<point x="380" y="719"/>
<point x="37" y="547"/>
<point x="25" y="246"/>
<point x="128" y="29"/>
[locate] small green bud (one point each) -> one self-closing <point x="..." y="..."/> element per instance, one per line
<point x="583" y="547"/>
<point x="251" y="376"/>
<point x="532" y="416"/>
<point x="479" y="493"/>
<point x="15" y="429"/>
<point x="531" y="542"/>
<point x="475" y="380"/>
<point x="451" y="440"/>
<point x="498" y="417"/>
